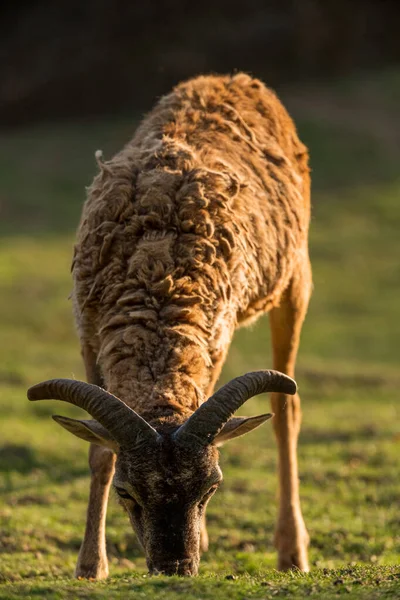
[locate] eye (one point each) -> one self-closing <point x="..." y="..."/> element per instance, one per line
<point x="208" y="495"/>
<point x="122" y="493"/>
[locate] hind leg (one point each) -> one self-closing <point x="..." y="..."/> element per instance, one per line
<point x="291" y="538"/>
<point x="204" y="535"/>
<point x="92" y="560"/>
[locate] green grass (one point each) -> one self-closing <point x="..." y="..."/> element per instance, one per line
<point x="348" y="374"/>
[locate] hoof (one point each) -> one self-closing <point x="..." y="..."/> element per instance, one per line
<point x="294" y="560"/>
<point x="93" y="571"/>
<point x="292" y="543"/>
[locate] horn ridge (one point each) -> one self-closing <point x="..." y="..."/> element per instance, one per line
<point x="206" y="422"/>
<point x="123" y="423"/>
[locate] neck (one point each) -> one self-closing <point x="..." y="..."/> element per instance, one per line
<point x="168" y="374"/>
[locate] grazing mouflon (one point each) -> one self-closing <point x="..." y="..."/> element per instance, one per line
<point x="199" y="225"/>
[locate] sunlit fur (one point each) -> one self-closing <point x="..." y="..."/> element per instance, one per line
<point x="197" y="226"/>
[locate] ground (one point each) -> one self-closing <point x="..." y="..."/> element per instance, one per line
<point x="347" y="373"/>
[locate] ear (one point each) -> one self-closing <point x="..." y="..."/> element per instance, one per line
<point x="91" y="431"/>
<point x="239" y="426"/>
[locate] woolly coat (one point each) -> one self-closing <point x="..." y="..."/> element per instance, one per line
<point x="195" y="227"/>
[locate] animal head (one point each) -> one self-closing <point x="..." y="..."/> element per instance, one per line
<point x="165" y="476"/>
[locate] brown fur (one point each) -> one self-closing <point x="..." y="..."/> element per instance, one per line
<point x="197" y="226"/>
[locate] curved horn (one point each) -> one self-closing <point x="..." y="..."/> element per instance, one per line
<point x="126" y="426"/>
<point x="211" y="416"/>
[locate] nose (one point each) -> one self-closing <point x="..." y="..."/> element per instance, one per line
<point x="185" y="567"/>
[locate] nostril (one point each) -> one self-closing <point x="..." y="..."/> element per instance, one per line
<point x="185" y="567"/>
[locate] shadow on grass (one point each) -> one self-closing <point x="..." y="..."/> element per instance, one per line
<point x="337" y="381"/>
<point x="23" y="459"/>
<point x="17" y="457"/>
<point x="316" y="436"/>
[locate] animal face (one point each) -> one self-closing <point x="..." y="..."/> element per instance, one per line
<point x="165" y="490"/>
<point x="165" y="476"/>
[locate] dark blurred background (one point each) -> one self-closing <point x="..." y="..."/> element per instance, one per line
<point x="70" y="58"/>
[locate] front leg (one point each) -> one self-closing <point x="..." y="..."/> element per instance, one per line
<point x="291" y="538"/>
<point x="92" y="560"/>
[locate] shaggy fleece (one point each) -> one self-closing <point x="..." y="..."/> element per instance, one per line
<point x="194" y="228"/>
